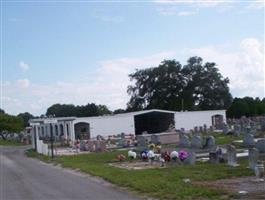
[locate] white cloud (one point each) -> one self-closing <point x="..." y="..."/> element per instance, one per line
<point x="9" y="104"/>
<point x="245" y="68"/>
<point x="24" y="66"/>
<point x="23" y="83"/>
<point x="108" y="87"/>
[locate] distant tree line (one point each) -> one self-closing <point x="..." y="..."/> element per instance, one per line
<point x="65" y="110"/>
<point x="9" y="124"/>
<point x="246" y="106"/>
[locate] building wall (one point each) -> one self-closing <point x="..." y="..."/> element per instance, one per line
<point x="188" y="120"/>
<point x="111" y="125"/>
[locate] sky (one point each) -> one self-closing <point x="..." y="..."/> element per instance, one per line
<point x="79" y="52"/>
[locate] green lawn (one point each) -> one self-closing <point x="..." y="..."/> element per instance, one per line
<point x="221" y="138"/>
<point x="10" y="143"/>
<point x="162" y="183"/>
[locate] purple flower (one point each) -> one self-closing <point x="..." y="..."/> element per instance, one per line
<point x="183" y="155"/>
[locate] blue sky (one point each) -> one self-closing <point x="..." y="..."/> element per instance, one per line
<point x="81" y="52"/>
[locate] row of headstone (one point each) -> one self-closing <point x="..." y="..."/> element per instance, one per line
<point x="155" y="139"/>
<point x="196" y="141"/>
<point x="202" y="129"/>
<point x="249" y="141"/>
<point x="254" y="123"/>
<point x="93" y="146"/>
<point x="224" y="155"/>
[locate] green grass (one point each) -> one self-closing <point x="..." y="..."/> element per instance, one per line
<point x="221" y="139"/>
<point x="10" y="143"/>
<point x="33" y="154"/>
<point x="162" y="183"/>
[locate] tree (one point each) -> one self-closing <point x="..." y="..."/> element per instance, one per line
<point x="2" y="111"/>
<point x="9" y="124"/>
<point x="61" y="110"/>
<point x="69" y="110"/>
<point x="158" y="87"/>
<point x="206" y="87"/>
<point x="246" y="106"/>
<point x="195" y="86"/>
<point x="26" y="117"/>
<point x="119" y="111"/>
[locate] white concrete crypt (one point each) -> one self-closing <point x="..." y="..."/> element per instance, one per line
<point x="150" y="121"/>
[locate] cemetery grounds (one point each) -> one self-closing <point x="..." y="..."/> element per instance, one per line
<point x="203" y="180"/>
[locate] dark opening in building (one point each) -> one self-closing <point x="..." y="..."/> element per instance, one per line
<point x="82" y="131"/>
<point x="153" y="122"/>
<point x="217" y="121"/>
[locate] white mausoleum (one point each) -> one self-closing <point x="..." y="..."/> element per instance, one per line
<point x="150" y="121"/>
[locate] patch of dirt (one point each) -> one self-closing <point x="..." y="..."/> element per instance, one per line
<point x="250" y="187"/>
<point x="136" y="165"/>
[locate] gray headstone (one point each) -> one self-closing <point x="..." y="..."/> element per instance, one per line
<point x="191" y="159"/>
<point x="122" y="135"/>
<point x="121" y="142"/>
<point x="262" y="125"/>
<point x="97" y="145"/>
<point x="225" y="129"/>
<point x="261" y="145"/>
<point x="155" y="139"/>
<point x="141" y="141"/>
<point x="237" y="129"/>
<point x="231" y="155"/>
<point x="82" y="145"/>
<point x="205" y="128"/>
<point x="248" y="140"/>
<point x="214" y="157"/>
<point x="184" y="140"/>
<point x="253" y="156"/>
<point x="210" y="142"/>
<point x="211" y="129"/>
<point x="196" y="142"/>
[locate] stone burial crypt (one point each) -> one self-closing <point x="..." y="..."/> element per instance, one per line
<point x="136" y="123"/>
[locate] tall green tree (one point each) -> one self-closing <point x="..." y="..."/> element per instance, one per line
<point x="206" y="88"/>
<point x="247" y="106"/>
<point x="69" y="110"/>
<point x="119" y="111"/>
<point x="26" y="117"/>
<point x="157" y="87"/>
<point x="171" y="86"/>
<point x="9" y="124"/>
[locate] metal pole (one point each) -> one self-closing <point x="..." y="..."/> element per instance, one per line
<point x="35" y="138"/>
<point x="51" y="140"/>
